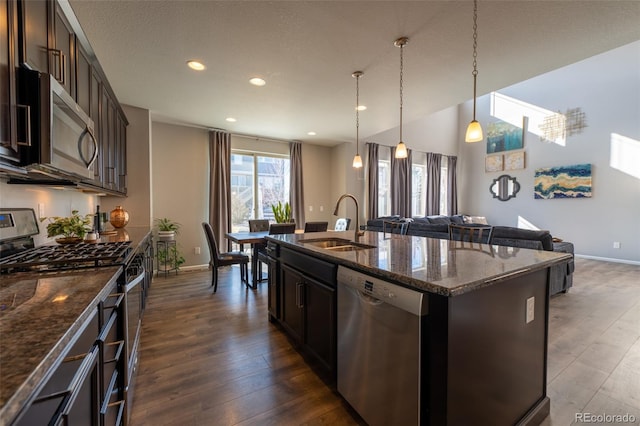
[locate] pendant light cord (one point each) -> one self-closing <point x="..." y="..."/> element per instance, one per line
<point x="401" y="75"/>
<point x="357" y="114"/>
<point x="475" y="53"/>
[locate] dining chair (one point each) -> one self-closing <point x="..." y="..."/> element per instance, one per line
<point x="315" y="226"/>
<point x="259" y="225"/>
<point x="282" y="228"/>
<point x="342" y="224"/>
<point x="473" y="234"/>
<point x="274" y="229"/>
<point x="217" y="259"/>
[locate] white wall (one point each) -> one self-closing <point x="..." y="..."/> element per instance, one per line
<point x="180" y="180"/>
<point x="435" y="133"/>
<point x="607" y="88"/>
<point x="56" y="202"/>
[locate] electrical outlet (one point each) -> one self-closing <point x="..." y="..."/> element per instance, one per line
<point x="310" y="208"/>
<point x="531" y="305"/>
<point x="321" y="208"/>
<point x="196" y="250"/>
<point x="41" y="210"/>
<point x="616" y="244"/>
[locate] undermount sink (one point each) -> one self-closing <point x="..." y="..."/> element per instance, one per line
<point x="336" y="244"/>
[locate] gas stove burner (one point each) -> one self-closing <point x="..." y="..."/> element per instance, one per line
<point x="65" y="257"/>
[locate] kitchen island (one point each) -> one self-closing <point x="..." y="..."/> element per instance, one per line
<point x="483" y="354"/>
<point x="44" y="316"/>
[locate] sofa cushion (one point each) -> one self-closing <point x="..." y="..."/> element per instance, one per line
<point x="458" y="219"/>
<point x="511" y="233"/>
<point x="439" y="219"/>
<point x="475" y="219"/>
<point x="421" y="226"/>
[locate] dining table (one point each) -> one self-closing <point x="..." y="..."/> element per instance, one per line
<point x="256" y="239"/>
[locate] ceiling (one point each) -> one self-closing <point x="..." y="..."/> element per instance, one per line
<point x="307" y="50"/>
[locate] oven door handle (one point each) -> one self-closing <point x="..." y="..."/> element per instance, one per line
<point x="137" y="280"/>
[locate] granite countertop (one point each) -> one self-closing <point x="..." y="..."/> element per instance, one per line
<point x="448" y="268"/>
<point x="41" y="312"/>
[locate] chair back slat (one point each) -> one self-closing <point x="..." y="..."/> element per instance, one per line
<point x="282" y="228"/>
<point x="213" y="246"/>
<point x="342" y="224"/>
<point x="316" y="226"/>
<point x="258" y="225"/>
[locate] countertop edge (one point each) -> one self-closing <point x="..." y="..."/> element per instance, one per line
<point x="431" y="287"/>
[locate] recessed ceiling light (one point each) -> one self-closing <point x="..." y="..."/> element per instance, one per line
<point x="311" y="133"/>
<point x="231" y="119"/>
<point x="195" y="65"/>
<point x="256" y="81"/>
<point x="361" y="107"/>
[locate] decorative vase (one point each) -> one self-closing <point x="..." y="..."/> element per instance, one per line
<point x="119" y="217"/>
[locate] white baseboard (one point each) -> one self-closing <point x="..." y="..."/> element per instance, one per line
<point x="609" y="259"/>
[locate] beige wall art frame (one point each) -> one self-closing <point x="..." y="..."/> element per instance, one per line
<point x="493" y="163"/>
<point x="514" y="161"/>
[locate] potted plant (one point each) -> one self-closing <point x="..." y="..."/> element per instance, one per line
<point x="170" y="258"/>
<point x="282" y="212"/>
<point x="167" y="228"/>
<point x="72" y="229"/>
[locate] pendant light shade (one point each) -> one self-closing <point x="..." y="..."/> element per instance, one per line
<point x="357" y="160"/>
<point x="474" y="130"/>
<point x="401" y="148"/>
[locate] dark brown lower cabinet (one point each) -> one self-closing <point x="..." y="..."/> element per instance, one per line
<point x="308" y="315"/>
<point x="87" y="387"/>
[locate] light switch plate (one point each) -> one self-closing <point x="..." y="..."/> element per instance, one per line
<point x="531" y="305"/>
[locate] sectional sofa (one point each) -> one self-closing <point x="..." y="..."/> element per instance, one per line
<point x="504" y="236"/>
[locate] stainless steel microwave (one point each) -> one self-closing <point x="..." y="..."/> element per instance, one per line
<point x="60" y="135"/>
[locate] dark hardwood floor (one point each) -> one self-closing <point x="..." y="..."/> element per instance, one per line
<point x="214" y="359"/>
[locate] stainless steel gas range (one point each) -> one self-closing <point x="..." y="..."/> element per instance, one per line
<point x="92" y="372"/>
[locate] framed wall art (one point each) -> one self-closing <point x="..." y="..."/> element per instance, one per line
<point x="493" y="163"/>
<point x="502" y="136"/>
<point x="563" y="182"/>
<point x="514" y="160"/>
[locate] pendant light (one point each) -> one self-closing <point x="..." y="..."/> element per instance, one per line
<point x="401" y="148"/>
<point x="474" y="131"/>
<point x="357" y="160"/>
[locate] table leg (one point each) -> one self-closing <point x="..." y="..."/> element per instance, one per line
<point x="254" y="266"/>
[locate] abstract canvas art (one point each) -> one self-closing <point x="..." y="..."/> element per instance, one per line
<point x="514" y="161"/>
<point x="502" y="136"/>
<point x="563" y="182"/>
<point x="493" y="163"/>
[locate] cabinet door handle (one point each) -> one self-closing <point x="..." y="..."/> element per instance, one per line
<point x="27" y="109"/>
<point x="299" y="295"/>
<point x="76" y="383"/>
<point x="62" y="68"/>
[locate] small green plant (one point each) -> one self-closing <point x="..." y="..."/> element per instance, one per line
<point x="281" y="212"/>
<point x="166" y="225"/>
<point x="75" y="226"/>
<point x="170" y="258"/>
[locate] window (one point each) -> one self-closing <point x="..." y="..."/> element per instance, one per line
<point x="418" y="186"/>
<point x="418" y="189"/>
<point x="257" y="182"/>
<point x="384" y="187"/>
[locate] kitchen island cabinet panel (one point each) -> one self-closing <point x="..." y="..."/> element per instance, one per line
<point x="320" y="320"/>
<point x="292" y="293"/>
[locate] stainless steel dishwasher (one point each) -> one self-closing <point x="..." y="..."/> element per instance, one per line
<point x="380" y="348"/>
